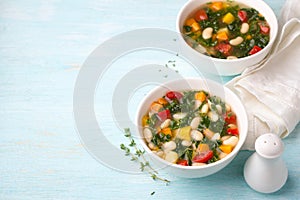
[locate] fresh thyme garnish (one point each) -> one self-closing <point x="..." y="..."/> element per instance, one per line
<point x="137" y="155"/>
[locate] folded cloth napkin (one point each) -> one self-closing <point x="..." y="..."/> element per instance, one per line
<point x="270" y="91"/>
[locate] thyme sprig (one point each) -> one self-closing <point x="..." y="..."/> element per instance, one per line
<point x="137" y="155"/>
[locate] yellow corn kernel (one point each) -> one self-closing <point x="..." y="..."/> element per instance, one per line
<point x="228" y="18"/>
<point x="190" y="21"/>
<point x="226" y="148"/>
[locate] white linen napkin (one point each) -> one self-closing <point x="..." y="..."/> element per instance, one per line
<point x="270" y="91"/>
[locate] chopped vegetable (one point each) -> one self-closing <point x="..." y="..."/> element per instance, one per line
<point x="242" y="14"/>
<point x="184" y="133"/>
<point x="217" y="5"/>
<point x="183" y="162"/>
<point x="233" y="131"/>
<point x="226" y="148"/>
<point x="156" y="107"/>
<point x="222" y="36"/>
<point x="174" y="95"/>
<point x="163" y="115"/>
<point x="163" y="101"/>
<point x="203" y="157"/>
<point x="230" y="118"/>
<point x="200" y="15"/>
<point x="201" y="96"/>
<point x="228" y="18"/>
<point x="254" y="50"/>
<point x="264" y="29"/>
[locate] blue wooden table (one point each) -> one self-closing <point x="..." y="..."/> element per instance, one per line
<point x="43" y="45"/>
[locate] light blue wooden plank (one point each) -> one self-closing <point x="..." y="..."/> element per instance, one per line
<point x="42" y="46"/>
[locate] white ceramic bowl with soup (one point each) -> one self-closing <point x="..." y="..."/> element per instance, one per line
<point x="163" y="156"/>
<point x="214" y="64"/>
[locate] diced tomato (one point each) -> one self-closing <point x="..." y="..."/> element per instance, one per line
<point x="242" y="14"/>
<point x="233" y="131"/>
<point x="183" y="162"/>
<point x="200" y="15"/>
<point x="254" y="50"/>
<point x="163" y="115"/>
<point x="174" y="95"/>
<point x="230" y="118"/>
<point x="264" y="29"/>
<point x="203" y="157"/>
<point x="224" y="48"/>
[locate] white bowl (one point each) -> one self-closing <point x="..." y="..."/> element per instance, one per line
<point x="213" y="88"/>
<point x="222" y="66"/>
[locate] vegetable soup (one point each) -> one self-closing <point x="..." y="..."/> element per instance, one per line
<point x="226" y="30"/>
<point x="190" y="128"/>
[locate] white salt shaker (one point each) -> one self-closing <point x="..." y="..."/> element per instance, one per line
<point x="265" y="170"/>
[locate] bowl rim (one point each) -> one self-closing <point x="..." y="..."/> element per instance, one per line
<point x="269" y="12"/>
<point x="229" y="157"/>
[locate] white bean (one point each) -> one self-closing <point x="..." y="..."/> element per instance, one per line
<point x="219" y="108"/>
<point x="225" y="138"/>
<point x="186" y="143"/>
<point x="169" y="146"/>
<point x="160" y="153"/>
<point x="147" y="134"/>
<point x="196" y="135"/>
<point x="197" y="104"/>
<point x="207" y="33"/>
<point x="222" y="155"/>
<point x="195" y="123"/>
<point x="178" y="116"/>
<point x="198" y="164"/>
<point x="244" y="28"/>
<point x="216" y="136"/>
<point x="231" y="57"/>
<point x="171" y="156"/>
<point x="213" y="116"/>
<point x="228" y="108"/>
<point x="151" y="145"/>
<point x="165" y="124"/>
<point x="232" y="141"/>
<point x="236" y="41"/>
<point x="204" y="108"/>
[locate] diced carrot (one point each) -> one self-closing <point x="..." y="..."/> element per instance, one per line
<point x="222" y="35"/>
<point x="201" y="96"/>
<point x="218" y="5"/>
<point x="203" y="147"/>
<point x="226" y="148"/>
<point x="195" y="27"/>
<point x="190" y="21"/>
<point x="145" y="120"/>
<point x="248" y="37"/>
<point x="162" y="101"/>
<point x="155" y="107"/>
<point x="166" y="131"/>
